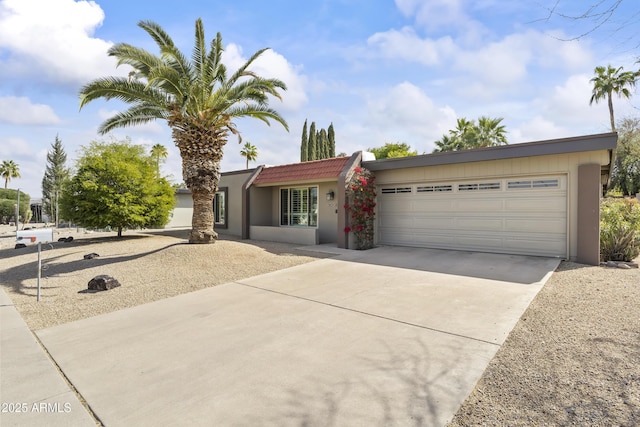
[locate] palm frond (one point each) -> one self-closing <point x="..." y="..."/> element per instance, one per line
<point x="140" y="59"/>
<point x="124" y="90"/>
<point x="136" y="115"/>
<point x="156" y="32"/>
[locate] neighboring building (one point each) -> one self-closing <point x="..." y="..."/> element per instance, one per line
<point x="538" y="198"/>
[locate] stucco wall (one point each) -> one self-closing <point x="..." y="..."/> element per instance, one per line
<point x="265" y="208"/>
<point x="182" y="212"/>
<point x="234" y="181"/>
<point x="538" y="165"/>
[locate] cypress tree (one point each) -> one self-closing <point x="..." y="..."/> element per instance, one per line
<point x="324" y="144"/>
<point x="55" y="175"/>
<point x="304" y="144"/>
<point x="332" y="141"/>
<point x="312" y="151"/>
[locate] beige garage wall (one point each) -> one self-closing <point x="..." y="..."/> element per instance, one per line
<point x="525" y="166"/>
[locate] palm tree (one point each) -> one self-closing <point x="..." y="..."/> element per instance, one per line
<point x="250" y="152"/>
<point x="611" y="80"/>
<point x="198" y="100"/>
<point x="489" y="132"/>
<point x="159" y="152"/>
<point x="9" y="170"/>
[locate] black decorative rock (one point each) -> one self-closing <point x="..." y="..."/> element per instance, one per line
<point x="69" y="239"/>
<point x="20" y="246"/>
<point x="62" y="239"/>
<point x="92" y="255"/>
<point x="103" y="283"/>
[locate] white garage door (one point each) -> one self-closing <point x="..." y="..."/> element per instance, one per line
<point x="523" y="215"/>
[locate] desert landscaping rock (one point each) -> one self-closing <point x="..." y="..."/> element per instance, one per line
<point x="103" y="283"/>
<point x="91" y="255"/>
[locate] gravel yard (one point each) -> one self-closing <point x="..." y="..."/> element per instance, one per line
<point x="573" y="358"/>
<point x="149" y="266"/>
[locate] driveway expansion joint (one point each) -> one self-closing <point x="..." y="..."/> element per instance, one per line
<point x="340" y="307"/>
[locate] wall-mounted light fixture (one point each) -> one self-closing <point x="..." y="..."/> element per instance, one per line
<point x="330" y="195"/>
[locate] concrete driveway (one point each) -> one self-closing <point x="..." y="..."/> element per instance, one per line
<point x="386" y="337"/>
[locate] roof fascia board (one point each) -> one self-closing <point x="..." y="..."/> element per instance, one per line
<point x="605" y="141"/>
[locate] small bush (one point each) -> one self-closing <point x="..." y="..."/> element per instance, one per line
<point x="619" y="229"/>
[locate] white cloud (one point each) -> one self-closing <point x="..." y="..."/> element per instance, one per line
<point x="53" y="39"/>
<point x="20" y="111"/>
<point x="272" y="65"/>
<point x="407" y="110"/>
<point x="433" y="13"/>
<point x="407" y="45"/>
<point x="13" y="147"/>
<point x="537" y="128"/>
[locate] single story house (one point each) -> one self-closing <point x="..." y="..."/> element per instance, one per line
<point x="537" y="198"/>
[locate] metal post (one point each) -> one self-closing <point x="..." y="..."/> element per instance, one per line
<point x="18" y="212"/>
<point x="39" y="269"/>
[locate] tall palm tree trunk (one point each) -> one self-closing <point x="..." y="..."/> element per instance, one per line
<point x="202" y="219"/>
<point x="201" y="148"/>
<point x="613" y="124"/>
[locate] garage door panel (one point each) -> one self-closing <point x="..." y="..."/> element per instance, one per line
<point x="550" y="225"/>
<point x="436" y="223"/>
<point x="393" y="205"/>
<point x="397" y="221"/>
<point x="536" y="204"/>
<point x="484" y="224"/>
<point x="478" y="205"/>
<point x="425" y="205"/>
<point x="507" y="219"/>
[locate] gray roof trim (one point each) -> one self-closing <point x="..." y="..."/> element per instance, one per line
<point x="603" y="141"/>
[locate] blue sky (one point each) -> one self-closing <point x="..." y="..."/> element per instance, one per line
<point x="380" y="71"/>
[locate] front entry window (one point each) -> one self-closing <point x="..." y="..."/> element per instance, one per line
<point x="299" y="206"/>
<point x="220" y="208"/>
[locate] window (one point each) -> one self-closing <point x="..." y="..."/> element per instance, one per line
<point x="433" y="188"/>
<point x="299" y="206"/>
<point x="479" y="186"/>
<point x="220" y="208"/>
<point x="396" y="190"/>
<point x="536" y="183"/>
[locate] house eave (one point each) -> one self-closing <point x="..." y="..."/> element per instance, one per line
<point x="604" y="141"/>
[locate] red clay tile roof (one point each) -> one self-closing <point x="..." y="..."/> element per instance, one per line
<point x="317" y="169"/>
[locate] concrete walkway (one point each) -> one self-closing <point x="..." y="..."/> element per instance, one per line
<point x="386" y="337"/>
<point x="32" y="391"/>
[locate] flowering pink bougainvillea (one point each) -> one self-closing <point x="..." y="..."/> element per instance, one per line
<point x="361" y="193"/>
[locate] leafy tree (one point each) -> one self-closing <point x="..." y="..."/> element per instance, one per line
<point x="313" y="144"/>
<point x="609" y="80"/>
<point x="250" y="152"/>
<point x="392" y="150"/>
<point x="9" y="170"/>
<point x="8" y="200"/>
<point x="55" y="174"/>
<point x="159" y="153"/>
<point x="488" y="132"/>
<point x="116" y="185"/>
<point x="304" y="144"/>
<point x="626" y="171"/>
<point x="198" y="99"/>
<point x="331" y="135"/>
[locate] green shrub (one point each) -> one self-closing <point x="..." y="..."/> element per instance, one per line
<point x="619" y="229"/>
